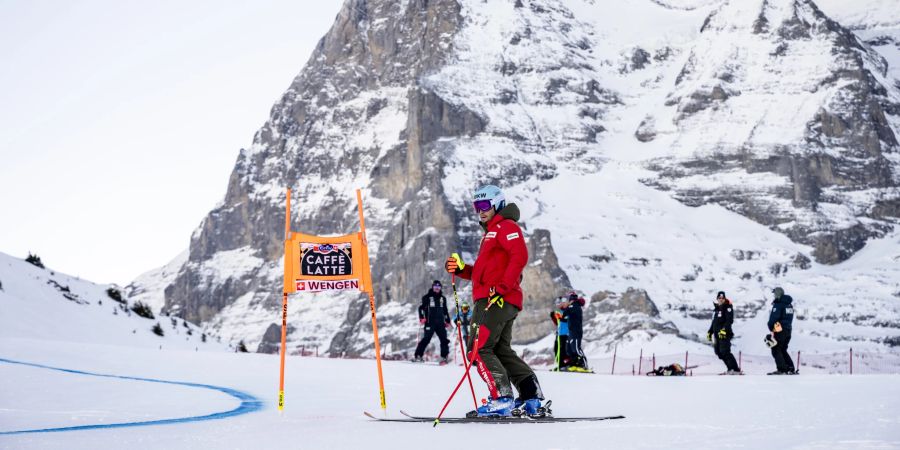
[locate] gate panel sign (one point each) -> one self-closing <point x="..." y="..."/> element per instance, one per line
<point x="316" y="263"/>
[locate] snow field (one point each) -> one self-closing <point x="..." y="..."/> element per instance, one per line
<point x="325" y="399"/>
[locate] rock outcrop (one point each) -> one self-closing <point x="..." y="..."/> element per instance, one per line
<point x="824" y="174"/>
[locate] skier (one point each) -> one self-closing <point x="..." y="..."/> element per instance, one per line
<point x="495" y="275"/>
<point x="720" y="333"/>
<point x="434" y="316"/>
<point x="780" y="320"/>
<point x="463" y="319"/>
<point x="573" y="315"/>
<point x="562" y="334"/>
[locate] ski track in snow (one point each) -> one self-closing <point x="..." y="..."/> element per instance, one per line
<point x="248" y="404"/>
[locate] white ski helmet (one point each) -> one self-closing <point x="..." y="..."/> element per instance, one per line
<point x="488" y="196"/>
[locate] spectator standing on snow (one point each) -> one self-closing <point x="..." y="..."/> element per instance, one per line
<point x="572" y="313"/>
<point x="720" y="333"/>
<point x="434" y="316"/>
<point x="780" y="323"/>
<point x="464" y="320"/>
<point x="562" y="334"/>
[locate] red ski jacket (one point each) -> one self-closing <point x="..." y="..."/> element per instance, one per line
<point x="501" y="259"/>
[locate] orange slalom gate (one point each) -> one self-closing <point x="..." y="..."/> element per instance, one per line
<point x="326" y="264"/>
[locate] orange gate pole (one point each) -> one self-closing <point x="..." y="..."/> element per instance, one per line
<point x="284" y="304"/>
<point x="371" y="292"/>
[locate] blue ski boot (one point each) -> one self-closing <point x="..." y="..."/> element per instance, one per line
<point x="532" y="408"/>
<point x="495" y="407"/>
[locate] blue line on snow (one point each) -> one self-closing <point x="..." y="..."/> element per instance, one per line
<point x="248" y="404"/>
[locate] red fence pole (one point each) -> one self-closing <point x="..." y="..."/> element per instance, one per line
<point x="640" y="360"/>
<point x="851" y="360"/>
<point x="613" y="371"/>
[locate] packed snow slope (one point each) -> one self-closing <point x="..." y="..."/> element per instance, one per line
<point x="659" y="150"/>
<point x="41" y="303"/>
<point x="325" y="399"/>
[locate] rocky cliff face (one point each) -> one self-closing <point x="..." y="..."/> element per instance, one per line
<point x="784" y="117"/>
<point x="357" y="116"/>
<point x="766" y="107"/>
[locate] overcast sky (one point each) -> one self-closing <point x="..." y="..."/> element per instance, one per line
<point x="120" y="121"/>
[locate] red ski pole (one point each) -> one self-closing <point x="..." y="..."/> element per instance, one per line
<point x="468" y="365"/>
<point x="462" y="347"/>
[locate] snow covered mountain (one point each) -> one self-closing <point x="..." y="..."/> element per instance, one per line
<point x="660" y="150"/>
<point x="41" y="304"/>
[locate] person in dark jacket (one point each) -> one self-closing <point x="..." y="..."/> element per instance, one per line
<point x="720" y="333"/>
<point x="572" y="313"/>
<point x="780" y="323"/>
<point x="434" y="316"/>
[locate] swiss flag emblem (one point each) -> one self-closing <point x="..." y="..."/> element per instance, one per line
<point x="301" y="285"/>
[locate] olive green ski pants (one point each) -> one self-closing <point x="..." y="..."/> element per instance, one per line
<point x="497" y="363"/>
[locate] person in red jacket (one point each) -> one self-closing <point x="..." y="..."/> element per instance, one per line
<point x="495" y="275"/>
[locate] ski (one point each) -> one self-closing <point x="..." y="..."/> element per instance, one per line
<point x="422" y="419"/>
<point x="579" y="370"/>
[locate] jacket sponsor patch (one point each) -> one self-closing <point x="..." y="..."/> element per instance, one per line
<point x="512" y="236"/>
<point x="490" y="235"/>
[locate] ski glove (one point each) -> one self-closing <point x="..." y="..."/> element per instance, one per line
<point x="723" y="334"/>
<point x="555" y="316"/>
<point x="455" y="264"/>
<point x="709" y="336"/>
<point x="422" y="321"/>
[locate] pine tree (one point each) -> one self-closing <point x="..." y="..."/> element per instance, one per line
<point x="35" y="260"/>
<point x="242" y="348"/>
<point x="115" y="294"/>
<point x="157" y="330"/>
<point x="142" y="310"/>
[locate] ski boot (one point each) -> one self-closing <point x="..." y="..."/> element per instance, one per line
<point x="733" y="372"/>
<point x="417" y="359"/>
<point x="777" y="372"/>
<point x="495" y="407"/>
<point x="532" y="408"/>
<point x="444" y="361"/>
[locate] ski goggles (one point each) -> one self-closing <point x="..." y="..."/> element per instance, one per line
<point x="482" y="205"/>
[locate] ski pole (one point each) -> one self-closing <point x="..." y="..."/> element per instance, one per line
<point x="462" y="347"/>
<point x="558" y="343"/>
<point x="437" y="420"/>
